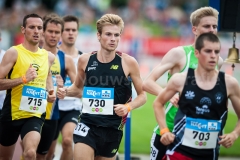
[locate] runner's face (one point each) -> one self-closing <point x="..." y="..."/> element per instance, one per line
<point x="70" y="33"/>
<point x="206" y="24"/>
<point x="209" y="55"/>
<point x="110" y="37"/>
<point x="52" y="34"/>
<point x="33" y="30"/>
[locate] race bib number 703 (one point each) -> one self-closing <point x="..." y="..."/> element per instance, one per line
<point x="201" y="133"/>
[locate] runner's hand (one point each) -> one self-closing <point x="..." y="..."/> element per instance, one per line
<point x="120" y="109"/>
<point x="61" y="93"/>
<point x="167" y="138"/>
<point x="227" y="140"/>
<point x="31" y="73"/>
<point x="51" y="96"/>
<point x="174" y="100"/>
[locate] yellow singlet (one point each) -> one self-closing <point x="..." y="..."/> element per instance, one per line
<point x="27" y="100"/>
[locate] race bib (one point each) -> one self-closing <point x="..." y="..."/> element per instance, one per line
<point x="98" y="100"/>
<point x="33" y="99"/>
<point x="201" y="133"/>
<point x="81" y="130"/>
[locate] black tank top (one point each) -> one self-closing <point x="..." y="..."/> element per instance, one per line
<point x="107" y="75"/>
<point x="200" y="119"/>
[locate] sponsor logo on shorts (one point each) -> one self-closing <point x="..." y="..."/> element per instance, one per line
<point x="74" y="119"/>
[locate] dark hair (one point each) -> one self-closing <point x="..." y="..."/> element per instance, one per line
<point x="205" y="37"/>
<point x="71" y="18"/>
<point x="33" y="15"/>
<point x="52" y="18"/>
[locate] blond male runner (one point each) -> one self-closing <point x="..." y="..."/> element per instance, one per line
<point x="178" y="59"/>
<point x="103" y="82"/>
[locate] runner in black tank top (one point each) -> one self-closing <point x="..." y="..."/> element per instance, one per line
<point x="104" y="83"/>
<point x="202" y="112"/>
<point x="108" y="75"/>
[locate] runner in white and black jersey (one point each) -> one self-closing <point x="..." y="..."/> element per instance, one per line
<point x="103" y="82"/>
<point x="203" y="109"/>
<point x="69" y="107"/>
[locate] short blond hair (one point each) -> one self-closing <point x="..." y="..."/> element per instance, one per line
<point x="109" y="19"/>
<point x="197" y="15"/>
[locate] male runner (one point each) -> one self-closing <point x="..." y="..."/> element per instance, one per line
<point x="103" y="82"/>
<point x="203" y="106"/>
<point x="69" y="107"/>
<point x="63" y="65"/>
<point x="24" y="73"/>
<point x="178" y="59"/>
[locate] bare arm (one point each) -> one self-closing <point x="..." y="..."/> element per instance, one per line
<point x="75" y="90"/>
<point x="8" y="61"/>
<point x="70" y="68"/>
<point x="131" y="68"/>
<point x="51" y="58"/>
<point x="174" y="85"/>
<point x="134" y="73"/>
<point x="170" y="60"/>
<point x="233" y="91"/>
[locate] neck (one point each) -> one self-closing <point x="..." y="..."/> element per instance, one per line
<point x="69" y="50"/>
<point x="30" y="47"/>
<point x="105" y="56"/>
<point x="205" y="75"/>
<point x="53" y="50"/>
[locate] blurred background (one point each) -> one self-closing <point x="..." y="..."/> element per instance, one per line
<point x="152" y="27"/>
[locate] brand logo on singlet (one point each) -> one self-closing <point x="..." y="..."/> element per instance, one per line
<point x="115" y="67"/>
<point x="94" y="63"/>
<point x="189" y="95"/>
<point x="91" y="68"/>
<point x="205" y="102"/>
<point x="34" y="65"/>
<point x="219" y="97"/>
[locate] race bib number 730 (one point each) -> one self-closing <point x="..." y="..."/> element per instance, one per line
<point x="98" y="100"/>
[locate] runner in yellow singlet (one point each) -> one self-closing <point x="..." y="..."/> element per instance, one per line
<point x="24" y="73"/>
